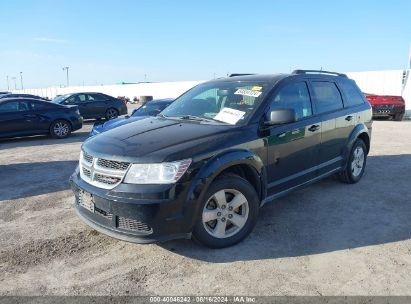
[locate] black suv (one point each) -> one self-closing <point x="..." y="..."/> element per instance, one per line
<point x="219" y="152"/>
<point x="94" y="105"/>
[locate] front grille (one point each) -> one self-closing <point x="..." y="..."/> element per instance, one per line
<point x="87" y="157"/>
<point x="86" y="172"/>
<point x="109" y="180"/>
<point x="100" y="172"/>
<point x="110" y="164"/>
<point x="134" y="225"/>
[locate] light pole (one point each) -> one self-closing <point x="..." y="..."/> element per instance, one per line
<point x="21" y="80"/>
<point x="67" y="75"/>
<point x="8" y="85"/>
<point x="15" y="83"/>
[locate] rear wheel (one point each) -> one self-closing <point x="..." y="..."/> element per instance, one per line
<point x="111" y="113"/>
<point x="356" y="163"/>
<point x="60" y="129"/>
<point x="398" y="116"/>
<point x="229" y="212"/>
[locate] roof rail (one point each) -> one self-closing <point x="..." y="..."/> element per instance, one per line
<point x="235" y="75"/>
<point x="298" y="72"/>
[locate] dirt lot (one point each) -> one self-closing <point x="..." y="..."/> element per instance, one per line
<point x="329" y="239"/>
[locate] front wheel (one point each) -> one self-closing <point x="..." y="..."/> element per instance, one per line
<point x="60" y="129"/>
<point x="356" y="163"/>
<point x="228" y="213"/>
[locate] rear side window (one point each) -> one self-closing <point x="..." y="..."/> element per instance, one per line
<point x="38" y="105"/>
<point x="14" y="106"/>
<point x="95" y="97"/>
<point x="293" y="96"/>
<point x="327" y="96"/>
<point x="353" y="96"/>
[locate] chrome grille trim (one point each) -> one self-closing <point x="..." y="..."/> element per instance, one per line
<point x="100" y="172"/>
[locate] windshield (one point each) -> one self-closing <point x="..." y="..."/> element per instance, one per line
<point x="150" y="109"/>
<point x="60" y="99"/>
<point x="228" y="102"/>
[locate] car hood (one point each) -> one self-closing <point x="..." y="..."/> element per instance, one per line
<point x="156" y="139"/>
<point x="120" y="121"/>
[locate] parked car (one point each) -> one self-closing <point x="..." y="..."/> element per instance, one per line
<point x="27" y="116"/>
<point x="94" y="105"/>
<point x="387" y="106"/>
<point x="206" y="164"/>
<point x="151" y="108"/>
<point x="11" y="95"/>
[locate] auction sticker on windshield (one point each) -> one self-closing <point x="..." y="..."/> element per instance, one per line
<point x="229" y="115"/>
<point x="250" y="93"/>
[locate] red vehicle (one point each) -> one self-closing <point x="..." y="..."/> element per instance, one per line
<point x="387" y="106"/>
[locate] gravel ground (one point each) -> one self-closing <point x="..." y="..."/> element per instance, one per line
<point x="328" y="239"/>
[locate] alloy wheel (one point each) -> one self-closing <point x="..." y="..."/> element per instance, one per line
<point x="357" y="163"/>
<point x="61" y="129"/>
<point x="225" y="213"/>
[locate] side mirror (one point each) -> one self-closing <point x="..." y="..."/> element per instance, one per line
<point x="281" y="116"/>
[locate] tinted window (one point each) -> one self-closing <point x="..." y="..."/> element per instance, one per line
<point x="38" y="105"/>
<point x="293" y="96"/>
<point x="76" y="99"/>
<point x="14" y="106"/>
<point x="327" y="96"/>
<point x="150" y="109"/>
<point x="353" y="96"/>
<point x="93" y="97"/>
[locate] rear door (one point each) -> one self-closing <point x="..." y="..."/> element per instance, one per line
<point x="328" y="103"/>
<point x="98" y="104"/>
<point x="293" y="148"/>
<point x="41" y="114"/>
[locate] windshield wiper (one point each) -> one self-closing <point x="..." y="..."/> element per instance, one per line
<point x="191" y="117"/>
<point x="198" y="118"/>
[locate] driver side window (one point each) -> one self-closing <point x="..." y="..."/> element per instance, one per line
<point x="293" y="96"/>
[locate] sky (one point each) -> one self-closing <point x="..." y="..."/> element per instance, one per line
<point x="106" y="42"/>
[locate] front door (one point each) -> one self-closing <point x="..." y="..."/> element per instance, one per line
<point x="293" y="148"/>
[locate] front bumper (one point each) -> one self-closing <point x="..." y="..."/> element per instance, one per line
<point x="137" y="213"/>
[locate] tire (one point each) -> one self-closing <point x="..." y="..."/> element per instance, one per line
<point x="398" y="116"/>
<point x="357" y="161"/>
<point x="111" y="113"/>
<point x="60" y="129"/>
<point x="236" y="222"/>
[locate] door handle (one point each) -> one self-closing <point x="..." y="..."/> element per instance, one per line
<point x="348" y="118"/>
<point x="314" y="128"/>
<point x="29" y="116"/>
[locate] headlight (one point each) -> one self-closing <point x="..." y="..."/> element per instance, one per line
<point x="163" y="173"/>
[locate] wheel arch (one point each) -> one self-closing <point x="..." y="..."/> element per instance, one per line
<point x="243" y="163"/>
<point x="359" y="132"/>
